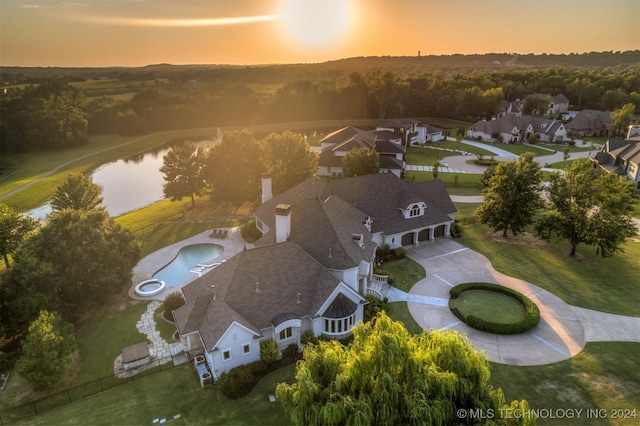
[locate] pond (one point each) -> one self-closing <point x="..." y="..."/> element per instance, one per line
<point x="127" y="184"/>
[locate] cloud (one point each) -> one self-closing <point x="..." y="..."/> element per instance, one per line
<point x="30" y="6"/>
<point x="168" y="22"/>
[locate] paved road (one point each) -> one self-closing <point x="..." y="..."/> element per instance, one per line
<point x="561" y="334"/>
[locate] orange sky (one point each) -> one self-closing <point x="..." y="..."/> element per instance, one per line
<point x="142" y="32"/>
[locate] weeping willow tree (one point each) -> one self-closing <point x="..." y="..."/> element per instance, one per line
<point x="388" y="376"/>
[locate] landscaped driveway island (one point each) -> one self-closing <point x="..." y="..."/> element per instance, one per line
<point x="561" y="333"/>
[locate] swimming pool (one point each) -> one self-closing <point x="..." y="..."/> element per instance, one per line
<point x="192" y="261"/>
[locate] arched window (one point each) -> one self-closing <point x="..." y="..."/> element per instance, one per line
<point x="415" y="210"/>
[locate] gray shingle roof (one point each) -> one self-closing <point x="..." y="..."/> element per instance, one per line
<point x="252" y="288"/>
<point x="323" y="226"/>
<point x="380" y="196"/>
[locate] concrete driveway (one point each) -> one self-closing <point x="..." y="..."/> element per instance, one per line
<point x="561" y="333"/>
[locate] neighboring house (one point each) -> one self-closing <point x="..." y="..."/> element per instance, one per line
<point x="389" y="139"/>
<point x="590" y="122"/>
<point x="511" y="107"/>
<point x="311" y="268"/>
<point x="513" y="129"/>
<point x="558" y="104"/>
<point x="622" y="156"/>
<point x="335" y="146"/>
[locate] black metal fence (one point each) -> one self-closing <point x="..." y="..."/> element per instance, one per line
<point x="84" y="390"/>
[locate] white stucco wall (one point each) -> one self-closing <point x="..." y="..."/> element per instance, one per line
<point x="233" y="341"/>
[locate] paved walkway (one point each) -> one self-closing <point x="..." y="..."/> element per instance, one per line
<point x="160" y="350"/>
<point x="563" y="329"/>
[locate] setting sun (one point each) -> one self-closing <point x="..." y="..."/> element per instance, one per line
<point x="315" y="22"/>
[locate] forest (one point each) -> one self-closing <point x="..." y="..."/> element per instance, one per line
<point x="57" y="108"/>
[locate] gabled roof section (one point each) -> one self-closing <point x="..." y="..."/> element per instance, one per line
<point x="589" y="119"/>
<point x="340" y="135"/>
<point x="380" y="196"/>
<point x="251" y="289"/>
<point x="324" y="229"/>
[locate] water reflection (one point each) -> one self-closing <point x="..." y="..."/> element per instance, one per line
<point x="129" y="183"/>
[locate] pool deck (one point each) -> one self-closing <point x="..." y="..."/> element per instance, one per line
<point x="144" y="270"/>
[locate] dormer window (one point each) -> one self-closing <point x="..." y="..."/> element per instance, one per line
<point x="414" y="210"/>
<point x="358" y="239"/>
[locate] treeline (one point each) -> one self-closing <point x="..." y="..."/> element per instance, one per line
<point x="55" y="115"/>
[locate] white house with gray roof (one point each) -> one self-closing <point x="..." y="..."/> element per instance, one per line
<point x="311" y="268"/>
<point x="513" y="129"/>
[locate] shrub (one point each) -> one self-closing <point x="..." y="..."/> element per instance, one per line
<point x="290" y="354"/>
<point x="531" y="320"/>
<point x="269" y="351"/>
<point x="239" y="381"/>
<point x="308" y="338"/>
<point x="456" y="229"/>
<point x="173" y="301"/>
<point x="374" y="307"/>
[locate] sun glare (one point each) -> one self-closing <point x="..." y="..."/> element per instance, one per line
<point x="315" y="22"/>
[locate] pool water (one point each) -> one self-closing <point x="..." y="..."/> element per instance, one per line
<point x="196" y="258"/>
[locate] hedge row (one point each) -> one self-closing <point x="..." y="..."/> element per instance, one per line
<point x="530" y="321"/>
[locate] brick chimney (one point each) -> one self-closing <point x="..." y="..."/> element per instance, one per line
<point x="283" y="223"/>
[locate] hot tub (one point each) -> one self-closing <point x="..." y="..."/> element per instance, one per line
<point x="150" y="287"/>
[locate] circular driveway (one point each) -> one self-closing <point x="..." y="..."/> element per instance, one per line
<point x="558" y="336"/>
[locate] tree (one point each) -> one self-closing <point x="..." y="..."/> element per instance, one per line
<point x="47" y="351"/>
<point x="183" y="170"/>
<point x="288" y="159"/>
<point x="566" y="153"/>
<point x="621" y="117"/>
<point x="388" y="376"/>
<point x="360" y="161"/>
<point x="588" y="205"/>
<point x="14" y="227"/>
<point x="512" y="196"/>
<point x="234" y="166"/>
<point x="435" y="169"/>
<point x="76" y="261"/>
<point x="77" y="192"/>
<point x="536" y="105"/>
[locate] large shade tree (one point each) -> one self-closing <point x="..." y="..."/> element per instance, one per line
<point x="14" y="227"/>
<point x="234" y="166"/>
<point x="288" y="158"/>
<point x="588" y="205"/>
<point x="77" y="260"/>
<point x="183" y="170"/>
<point x="46" y="351"/>
<point x="512" y="196"/>
<point x="77" y="192"/>
<point x="388" y="376"/>
<point x="361" y="161"/>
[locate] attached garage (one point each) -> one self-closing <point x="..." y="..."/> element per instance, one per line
<point x="439" y="231"/>
<point x="423" y="235"/>
<point x="407" y="239"/>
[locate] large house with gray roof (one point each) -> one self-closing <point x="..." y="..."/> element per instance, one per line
<point x="622" y="156"/>
<point x="389" y="139"/>
<point x="517" y="129"/>
<point x="590" y="122"/>
<point x="311" y="268"/>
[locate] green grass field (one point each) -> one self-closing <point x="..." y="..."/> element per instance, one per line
<point x="490" y="306"/>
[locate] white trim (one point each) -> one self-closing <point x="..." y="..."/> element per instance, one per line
<point x="354" y="296"/>
<point x="293" y="323"/>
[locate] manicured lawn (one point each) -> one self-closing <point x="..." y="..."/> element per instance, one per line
<point x="406" y="273"/>
<point x="167" y="222"/>
<point x="605" y="375"/>
<point x="519" y="149"/>
<point x="164" y="327"/>
<point x="587" y="280"/>
<point x="170" y="393"/>
<point x="434" y="151"/>
<point x="399" y="311"/>
<point x="489" y="306"/>
<point x="467" y="184"/>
